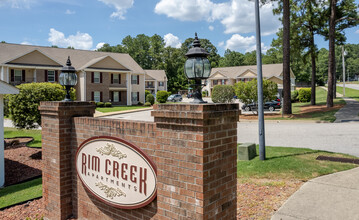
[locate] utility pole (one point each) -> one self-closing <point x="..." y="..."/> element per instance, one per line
<point x="262" y="152"/>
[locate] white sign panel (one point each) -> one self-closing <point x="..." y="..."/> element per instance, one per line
<point x="116" y="172"/>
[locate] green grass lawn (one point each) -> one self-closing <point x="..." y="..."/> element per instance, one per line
<point x="119" y="108"/>
<point x="352" y="93"/>
<point x="36" y="134"/>
<point x="320" y="99"/>
<point x="21" y="192"/>
<point x="291" y="163"/>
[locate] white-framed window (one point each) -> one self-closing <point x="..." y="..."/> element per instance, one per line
<point x="18" y="75"/>
<point x="223" y="82"/>
<point x="160" y="83"/>
<point x="51" y="75"/>
<point x="96" y="77"/>
<point x="116" y="78"/>
<point x="134" y="79"/>
<point x="116" y="97"/>
<point x="134" y="96"/>
<point x="97" y="96"/>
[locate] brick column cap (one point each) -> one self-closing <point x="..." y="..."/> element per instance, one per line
<point x="58" y="107"/>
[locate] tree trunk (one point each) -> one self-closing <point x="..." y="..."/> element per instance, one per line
<point x="331" y="59"/>
<point x="287" y="104"/>
<point x="313" y="77"/>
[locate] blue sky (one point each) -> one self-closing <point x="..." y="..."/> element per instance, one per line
<point x="87" y="24"/>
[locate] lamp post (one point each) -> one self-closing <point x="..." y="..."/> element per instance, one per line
<point x="344" y="53"/>
<point x="197" y="68"/>
<point x="68" y="78"/>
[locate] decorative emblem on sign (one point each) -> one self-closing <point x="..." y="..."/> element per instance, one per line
<point x="110" y="191"/>
<point x="110" y="149"/>
<point x="116" y="172"/>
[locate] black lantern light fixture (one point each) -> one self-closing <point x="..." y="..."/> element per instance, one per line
<point x="68" y="78"/>
<point x="197" y="68"/>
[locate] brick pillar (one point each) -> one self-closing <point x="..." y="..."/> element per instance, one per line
<point x="197" y="173"/>
<point x="56" y="122"/>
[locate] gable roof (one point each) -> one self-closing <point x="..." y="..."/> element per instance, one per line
<point x="158" y="75"/>
<point x="6" y="88"/>
<point x="268" y="70"/>
<point x="79" y="58"/>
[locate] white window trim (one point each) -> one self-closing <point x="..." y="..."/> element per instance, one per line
<point x="97" y="96"/>
<point x="48" y="76"/>
<point x="17" y="71"/>
<point x="96" y="79"/>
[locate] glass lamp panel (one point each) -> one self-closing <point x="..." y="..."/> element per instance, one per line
<point x="72" y="79"/>
<point x="189" y="68"/>
<point x="198" y="67"/>
<point x="207" y="68"/>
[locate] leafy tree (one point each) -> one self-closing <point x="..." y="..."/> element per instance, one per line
<point x="222" y="94"/>
<point x="23" y="107"/>
<point x="231" y="58"/>
<point x="247" y="92"/>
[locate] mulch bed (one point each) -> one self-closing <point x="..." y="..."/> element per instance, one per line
<point x="257" y="198"/>
<point x="22" y="163"/>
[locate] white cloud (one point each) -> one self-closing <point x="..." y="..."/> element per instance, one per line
<point x="99" y="45"/>
<point x="221" y="44"/>
<point x="172" y="41"/>
<point x="69" y="12"/>
<point x="78" y="41"/>
<point x="357" y="31"/>
<point x="240" y="43"/>
<point x="26" y="43"/>
<point x="17" y="3"/>
<point x="237" y="16"/>
<point x="121" y="7"/>
<point x="211" y="28"/>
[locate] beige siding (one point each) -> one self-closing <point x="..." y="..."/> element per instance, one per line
<point x="35" y="57"/>
<point x="108" y="63"/>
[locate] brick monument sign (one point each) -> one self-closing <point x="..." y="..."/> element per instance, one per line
<point x="181" y="166"/>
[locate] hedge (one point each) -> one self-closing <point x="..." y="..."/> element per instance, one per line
<point x="222" y="94"/>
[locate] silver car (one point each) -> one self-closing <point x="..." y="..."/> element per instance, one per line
<point x="174" y="98"/>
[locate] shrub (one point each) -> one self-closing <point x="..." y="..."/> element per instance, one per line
<point x="147" y="93"/>
<point x="222" y="94"/>
<point x="23" y="107"/>
<point x="108" y="104"/>
<point x="150" y="98"/>
<point x="100" y="104"/>
<point x="162" y="96"/>
<point x="204" y="93"/>
<point x="294" y="96"/>
<point x="147" y="104"/>
<point x="139" y="103"/>
<point x="304" y="94"/>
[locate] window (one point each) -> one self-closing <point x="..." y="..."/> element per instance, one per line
<point x="223" y="82"/>
<point x="18" y="75"/>
<point x="116" y="97"/>
<point x="97" y="96"/>
<point x="160" y="83"/>
<point x="135" y="79"/>
<point x="215" y="82"/>
<point x="51" y="76"/>
<point x="134" y="97"/>
<point x="96" y="77"/>
<point x="116" y="78"/>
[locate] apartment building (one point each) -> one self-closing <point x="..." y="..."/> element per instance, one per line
<point x="155" y="81"/>
<point x="102" y="76"/>
<point x="232" y="75"/>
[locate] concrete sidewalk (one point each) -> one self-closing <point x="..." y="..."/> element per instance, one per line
<point x="349" y="112"/>
<point x="334" y="196"/>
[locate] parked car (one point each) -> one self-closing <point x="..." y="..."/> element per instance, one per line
<point x="190" y="95"/>
<point x="271" y="106"/>
<point x="174" y="98"/>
